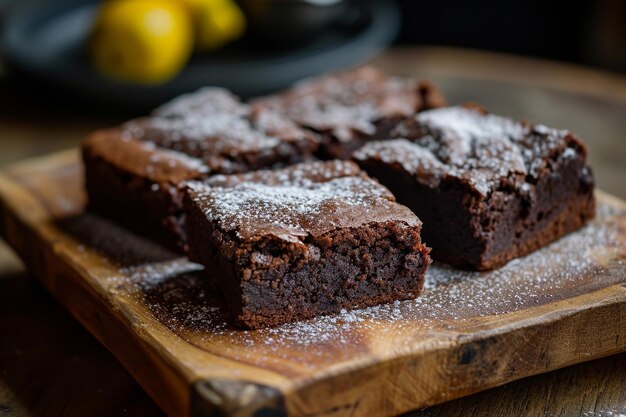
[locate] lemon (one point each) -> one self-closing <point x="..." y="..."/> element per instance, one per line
<point x="144" y="41"/>
<point x="216" y="22"/>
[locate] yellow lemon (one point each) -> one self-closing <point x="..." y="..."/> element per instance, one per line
<point x="145" y="41"/>
<point x="216" y="22"/>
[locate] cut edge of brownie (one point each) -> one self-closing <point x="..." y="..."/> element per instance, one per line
<point x="469" y="227"/>
<point x="134" y="184"/>
<point x="269" y="278"/>
<point x="342" y="269"/>
<point x="132" y="178"/>
<point x="453" y="231"/>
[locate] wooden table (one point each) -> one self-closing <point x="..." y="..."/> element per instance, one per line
<point x="50" y="366"/>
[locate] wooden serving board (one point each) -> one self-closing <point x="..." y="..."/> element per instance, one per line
<point x="468" y="332"/>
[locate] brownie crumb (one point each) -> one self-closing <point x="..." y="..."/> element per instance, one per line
<point x="132" y="172"/>
<point x="352" y="107"/>
<point x="308" y="240"/>
<point x="487" y="188"/>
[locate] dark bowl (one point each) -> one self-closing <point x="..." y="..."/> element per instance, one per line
<point x="291" y="22"/>
<point x="43" y="42"/>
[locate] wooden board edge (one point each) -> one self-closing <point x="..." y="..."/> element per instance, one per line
<point x="472" y="359"/>
<point x="473" y="365"/>
<point x="37" y="163"/>
<point x="600" y="329"/>
<point x="82" y="301"/>
<point x="26" y="235"/>
<point x="220" y="397"/>
<point x="217" y="396"/>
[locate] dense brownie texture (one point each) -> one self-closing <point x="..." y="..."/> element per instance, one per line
<point x="307" y="240"/>
<point x="132" y="172"/>
<point x="487" y="188"/>
<point x="350" y="108"/>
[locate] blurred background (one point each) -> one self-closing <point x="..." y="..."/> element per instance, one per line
<point x="68" y="67"/>
<point x="590" y="32"/>
<point x="103" y="52"/>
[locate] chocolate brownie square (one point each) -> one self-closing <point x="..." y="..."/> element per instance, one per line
<point x="307" y="240"/>
<point x="488" y="189"/>
<point x="350" y="108"/>
<point x="132" y="172"/>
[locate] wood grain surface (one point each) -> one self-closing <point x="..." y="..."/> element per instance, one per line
<point x="469" y="331"/>
<point x="50" y="366"/>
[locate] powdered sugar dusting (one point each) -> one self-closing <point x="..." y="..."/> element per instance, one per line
<point x="346" y="103"/>
<point x="481" y="149"/>
<point x="205" y="101"/>
<point x="412" y="158"/>
<point x="219" y="132"/>
<point x="214" y="125"/>
<point x="288" y="210"/>
<point x="173" y="159"/>
<point x="468" y="125"/>
<point x="299" y="175"/>
<point x="620" y="411"/>
<point x="181" y="297"/>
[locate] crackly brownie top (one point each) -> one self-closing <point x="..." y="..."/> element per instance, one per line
<point x="143" y="158"/>
<point x="214" y="126"/>
<point x="349" y="103"/>
<point x="303" y="174"/>
<point x="483" y="150"/>
<point x="206" y="101"/>
<point x="290" y="204"/>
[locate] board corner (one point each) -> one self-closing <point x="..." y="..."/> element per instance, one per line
<point x="234" y="398"/>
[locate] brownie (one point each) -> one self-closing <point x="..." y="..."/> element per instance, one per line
<point x="132" y="171"/>
<point x="307" y="240"/>
<point x="350" y="108"/>
<point x="488" y="189"/>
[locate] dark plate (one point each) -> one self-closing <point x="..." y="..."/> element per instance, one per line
<point x="47" y="42"/>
